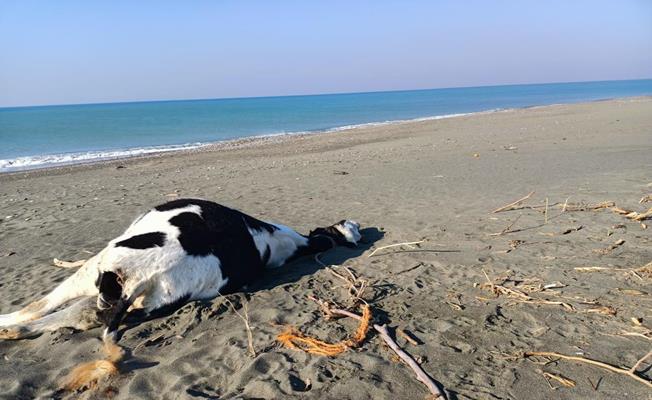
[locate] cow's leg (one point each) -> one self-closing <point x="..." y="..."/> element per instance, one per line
<point x="81" y="283"/>
<point x="81" y="315"/>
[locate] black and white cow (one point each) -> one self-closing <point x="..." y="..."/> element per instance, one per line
<point x="183" y="250"/>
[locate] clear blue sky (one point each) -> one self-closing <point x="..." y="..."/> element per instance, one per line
<point x="57" y="52"/>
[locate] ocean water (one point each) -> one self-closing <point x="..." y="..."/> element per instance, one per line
<point x="33" y="137"/>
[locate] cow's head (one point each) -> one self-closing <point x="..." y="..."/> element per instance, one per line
<point x="344" y="233"/>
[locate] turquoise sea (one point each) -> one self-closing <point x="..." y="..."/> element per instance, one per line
<point x="34" y="137"/>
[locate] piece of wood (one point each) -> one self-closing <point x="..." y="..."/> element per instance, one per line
<point x="513" y="204"/>
<point x="422" y="375"/>
<point x="629" y="372"/>
<point x="407" y="336"/>
<point x="67" y="264"/>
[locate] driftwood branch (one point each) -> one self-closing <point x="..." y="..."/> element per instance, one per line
<point x="629" y="372"/>
<point x="422" y="375"/>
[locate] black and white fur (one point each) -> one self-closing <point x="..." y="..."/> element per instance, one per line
<point x="183" y="250"/>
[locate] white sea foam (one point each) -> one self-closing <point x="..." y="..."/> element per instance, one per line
<point x="52" y="160"/>
<point x="55" y="160"/>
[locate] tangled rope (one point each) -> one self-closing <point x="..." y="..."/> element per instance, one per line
<point x="294" y="339"/>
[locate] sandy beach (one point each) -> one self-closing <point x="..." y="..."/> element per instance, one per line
<point x="434" y="181"/>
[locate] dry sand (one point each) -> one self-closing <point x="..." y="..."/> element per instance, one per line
<point x="434" y="180"/>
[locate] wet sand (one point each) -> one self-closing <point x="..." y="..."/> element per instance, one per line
<point x="436" y="181"/>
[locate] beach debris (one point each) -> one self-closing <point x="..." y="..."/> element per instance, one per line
<point x="508" y="228"/>
<point x="407" y="336"/>
<point x="340" y="173"/>
<point x="408" y="244"/>
<point x="611" y="248"/>
<point x="571" y="230"/>
<point x="596" y="385"/>
<point x="513" y="204"/>
<point x="89" y="374"/>
<point x="589" y="206"/>
<point x="645" y="199"/>
<point x="566" y="382"/>
<point x="422" y="376"/>
<point x="631" y="372"/>
<point x="510" y="147"/>
<point x="640" y="272"/>
<point x="519" y="296"/>
<point x="245" y="318"/>
<point x="382" y="330"/>
<point x="604" y="310"/>
<point x="635" y="216"/>
<point x="476" y="155"/>
<point x="9" y="253"/>
<point x="631" y="292"/>
<point x="67" y="264"/>
<point x="294" y="339"/>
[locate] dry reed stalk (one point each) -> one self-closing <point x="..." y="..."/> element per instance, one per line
<point x="245" y="319"/>
<point x="67" y="264"/>
<point x="559" y="378"/>
<point x="394" y="245"/>
<point x="407" y="336"/>
<point x="629" y="372"/>
<point x="620" y="211"/>
<point x="645" y="270"/>
<point x="507" y="228"/>
<point x="645" y="199"/>
<point x="356" y="285"/>
<point x="563" y="207"/>
<point x="635" y="216"/>
<point x="589" y="207"/>
<point x="519" y="296"/>
<point x="611" y="248"/>
<point x="513" y="204"/>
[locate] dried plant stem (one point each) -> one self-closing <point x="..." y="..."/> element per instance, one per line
<point x="407" y="337"/>
<point x="394" y="245"/>
<point x="513" y="204"/>
<point x="545" y="213"/>
<point x="67" y="264"/>
<point x="562" y="380"/>
<point x="245" y="319"/>
<point x="629" y="372"/>
<point x="507" y="228"/>
<point x="645" y="270"/>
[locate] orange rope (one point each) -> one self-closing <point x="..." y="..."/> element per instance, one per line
<point x="293" y="339"/>
<point x="88" y="374"/>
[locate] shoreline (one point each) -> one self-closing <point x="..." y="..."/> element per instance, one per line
<point x="189" y="148"/>
<point x="170" y="149"/>
<point x="432" y="181"/>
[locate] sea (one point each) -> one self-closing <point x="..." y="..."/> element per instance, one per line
<point x="46" y="136"/>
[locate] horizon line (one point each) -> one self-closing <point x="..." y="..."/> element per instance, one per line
<point x="311" y="94"/>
